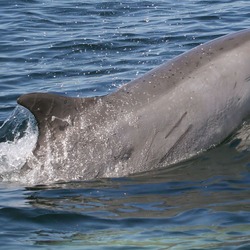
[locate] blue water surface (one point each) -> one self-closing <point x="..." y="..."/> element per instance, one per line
<point x="89" y="48"/>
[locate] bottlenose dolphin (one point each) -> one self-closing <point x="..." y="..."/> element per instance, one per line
<point x="183" y="107"/>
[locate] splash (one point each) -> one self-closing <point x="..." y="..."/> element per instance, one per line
<point x="18" y="136"/>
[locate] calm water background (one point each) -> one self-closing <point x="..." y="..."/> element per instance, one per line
<point x="87" y="48"/>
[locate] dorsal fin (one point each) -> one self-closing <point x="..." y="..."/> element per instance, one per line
<point x="50" y="110"/>
<point x="43" y="105"/>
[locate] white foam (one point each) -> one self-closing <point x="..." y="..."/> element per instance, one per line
<point x="22" y="127"/>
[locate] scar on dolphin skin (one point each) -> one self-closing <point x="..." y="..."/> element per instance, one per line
<point x="171" y="130"/>
<point x="168" y="134"/>
<point x="176" y="125"/>
<point x="235" y="84"/>
<point x="247" y="79"/>
<point x="176" y="143"/>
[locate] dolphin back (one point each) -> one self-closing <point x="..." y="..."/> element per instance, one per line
<point x="182" y="107"/>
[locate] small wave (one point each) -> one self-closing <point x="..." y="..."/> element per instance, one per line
<point x="18" y="136"/>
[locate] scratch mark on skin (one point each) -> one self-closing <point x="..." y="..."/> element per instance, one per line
<point x="157" y="132"/>
<point x="235" y="84"/>
<point x="176" y="125"/>
<point x="150" y="145"/>
<point x="247" y="79"/>
<point x="168" y="134"/>
<point x="176" y="144"/>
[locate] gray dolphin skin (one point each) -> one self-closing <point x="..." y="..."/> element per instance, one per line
<point x="181" y="108"/>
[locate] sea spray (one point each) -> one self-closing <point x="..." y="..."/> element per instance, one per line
<point x="18" y="136"/>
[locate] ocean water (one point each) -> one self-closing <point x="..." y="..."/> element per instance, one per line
<point x="89" y="48"/>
